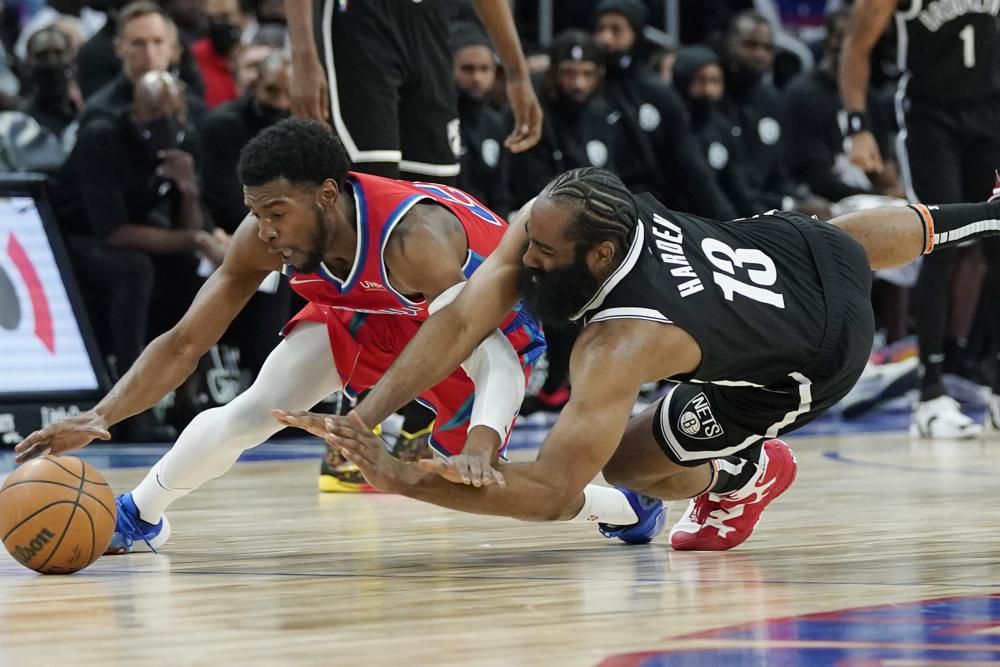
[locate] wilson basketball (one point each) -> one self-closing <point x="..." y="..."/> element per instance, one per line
<point x="57" y="514"/>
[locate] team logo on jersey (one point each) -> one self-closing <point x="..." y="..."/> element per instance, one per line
<point x="597" y="153"/>
<point x="490" y="151"/>
<point x="697" y="420"/>
<point x="649" y="117"/>
<point x="454" y="130"/>
<point x="769" y="131"/>
<point x="718" y="156"/>
<point x="371" y="284"/>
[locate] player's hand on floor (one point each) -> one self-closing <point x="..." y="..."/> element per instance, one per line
<point x="63" y="436"/>
<point x="464" y="469"/>
<point x="366" y="450"/>
<point x="313" y="422"/>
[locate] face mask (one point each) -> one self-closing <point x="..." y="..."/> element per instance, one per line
<point x="224" y="36"/>
<point x="701" y="110"/>
<point x="51" y="81"/>
<point x="568" y="107"/>
<point x="742" y="78"/>
<point x="268" y="114"/>
<point x="618" y="65"/>
<point x="161" y="134"/>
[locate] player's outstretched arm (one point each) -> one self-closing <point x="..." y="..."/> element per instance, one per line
<point x="172" y="357"/>
<point x="499" y="23"/>
<point x="868" y="21"/>
<point x="607" y="373"/>
<point x="449" y="336"/>
<point x="609" y="363"/>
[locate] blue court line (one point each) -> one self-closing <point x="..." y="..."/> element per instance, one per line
<point x="840" y="458"/>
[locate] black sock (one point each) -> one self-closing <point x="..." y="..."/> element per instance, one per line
<point x="733" y="473"/>
<point x="932" y="382"/>
<point x="952" y="224"/>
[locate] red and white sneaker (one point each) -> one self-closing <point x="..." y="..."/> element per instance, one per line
<point x="715" y="522"/>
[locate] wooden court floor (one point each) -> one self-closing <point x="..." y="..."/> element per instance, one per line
<point x="262" y="570"/>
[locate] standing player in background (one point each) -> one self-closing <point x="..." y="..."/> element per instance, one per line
<point x="374" y="257"/>
<point x="948" y="108"/>
<point x="380" y="72"/>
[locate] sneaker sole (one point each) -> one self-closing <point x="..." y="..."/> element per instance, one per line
<point x="331" y="484"/>
<point x="140" y="546"/>
<point x="693" y="545"/>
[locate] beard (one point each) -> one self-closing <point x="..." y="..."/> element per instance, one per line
<point x="556" y="295"/>
<point x="320" y="241"/>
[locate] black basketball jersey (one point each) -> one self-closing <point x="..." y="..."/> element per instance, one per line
<point x="747" y="291"/>
<point x="949" y="48"/>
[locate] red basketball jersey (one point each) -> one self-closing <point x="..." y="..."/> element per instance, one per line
<point x="380" y="204"/>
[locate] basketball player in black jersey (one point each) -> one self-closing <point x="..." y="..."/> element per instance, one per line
<point x="763" y="323"/>
<point x="948" y="109"/>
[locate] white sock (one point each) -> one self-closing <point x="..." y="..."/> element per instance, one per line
<point x="294" y="377"/>
<point x="605" y="505"/>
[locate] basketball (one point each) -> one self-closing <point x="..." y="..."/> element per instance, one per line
<point x="57" y="514"/>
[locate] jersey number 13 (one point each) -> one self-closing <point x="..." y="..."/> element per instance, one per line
<point x="743" y="271"/>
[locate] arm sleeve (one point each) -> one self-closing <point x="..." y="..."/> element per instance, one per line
<point x="495" y="370"/>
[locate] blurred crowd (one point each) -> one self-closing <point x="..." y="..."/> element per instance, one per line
<point x="137" y="112"/>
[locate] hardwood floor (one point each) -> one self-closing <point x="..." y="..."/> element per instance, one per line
<point x="263" y="570"/>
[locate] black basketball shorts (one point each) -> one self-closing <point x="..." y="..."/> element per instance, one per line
<point x="695" y="422"/>
<point x="392" y="99"/>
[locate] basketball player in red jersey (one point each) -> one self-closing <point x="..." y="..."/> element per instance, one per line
<point x="374" y="257"/>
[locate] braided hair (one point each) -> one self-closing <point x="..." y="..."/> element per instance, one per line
<point x="606" y="210"/>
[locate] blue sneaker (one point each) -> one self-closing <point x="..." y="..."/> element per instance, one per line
<point x="129" y="529"/>
<point x="652" y="518"/>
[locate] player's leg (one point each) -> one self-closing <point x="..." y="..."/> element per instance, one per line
<point x="428" y="108"/>
<point x="359" y="45"/>
<point x="717" y="446"/>
<point x="297" y="375"/>
<point x="979" y="163"/>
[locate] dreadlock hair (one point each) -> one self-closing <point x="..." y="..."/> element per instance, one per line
<point x="606" y="210"/>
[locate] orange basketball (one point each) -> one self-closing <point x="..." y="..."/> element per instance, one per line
<point x="57" y="514"/>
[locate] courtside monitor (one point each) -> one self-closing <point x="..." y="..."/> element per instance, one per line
<point x="46" y="351"/>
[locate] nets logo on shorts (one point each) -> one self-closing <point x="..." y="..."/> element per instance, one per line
<point x="697" y="421"/>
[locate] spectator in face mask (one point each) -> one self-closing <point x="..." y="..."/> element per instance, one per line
<point x="225" y="130"/>
<point x="216" y="53"/>
<point x="53" y="96"/>
<point x="575" y="132"/>
<point x="697" y="75"/>
<point x="483" y="129"/>
<point x="816" y="147"/>
<point x="135" y="172"/>
<point x="754" y="107"/>
<point x="664" y="158"/>
<point x="131" y="205"/>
